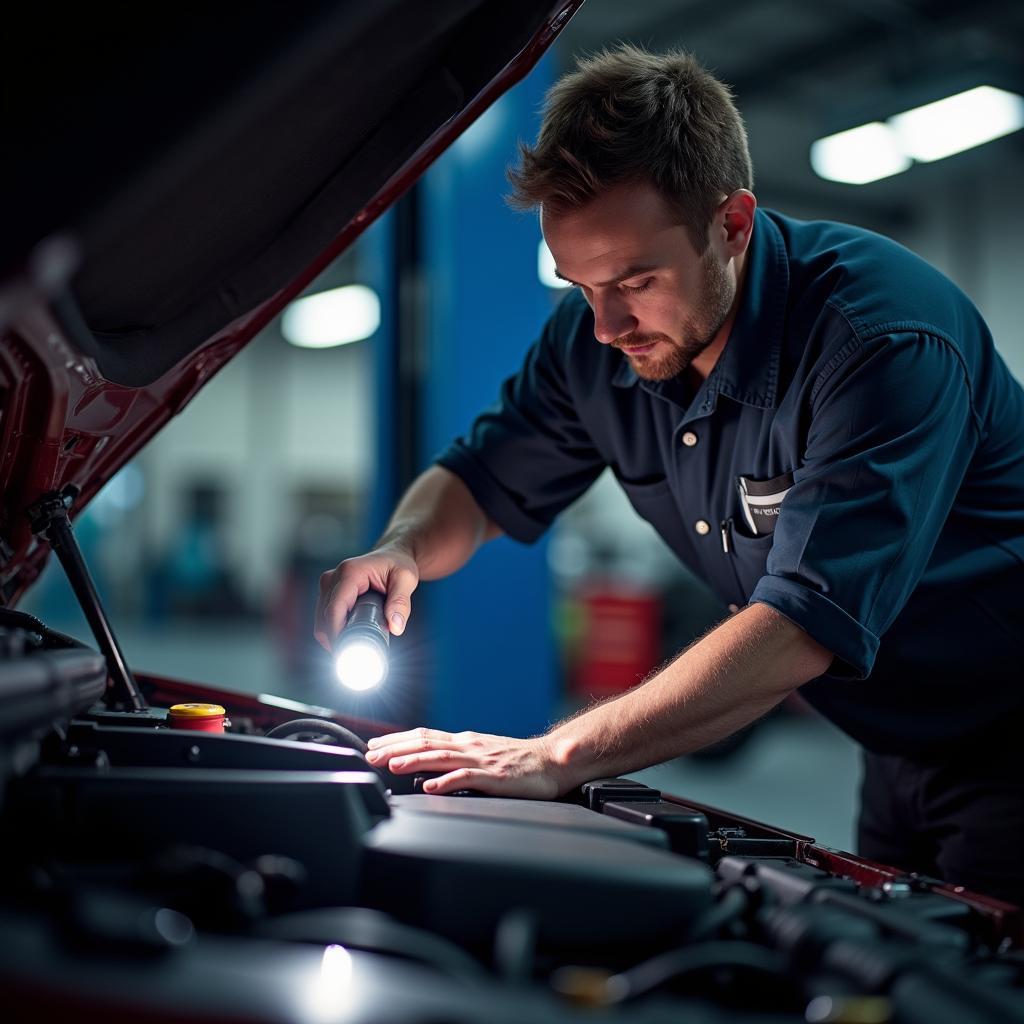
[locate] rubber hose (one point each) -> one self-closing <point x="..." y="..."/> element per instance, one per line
<point x="343" y="737"/>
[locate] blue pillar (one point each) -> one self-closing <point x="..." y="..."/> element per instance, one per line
<point x="492" y="650"/>
<point x="376" y="269"/>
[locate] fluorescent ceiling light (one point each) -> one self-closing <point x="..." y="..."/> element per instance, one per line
<point x="546" y="267"/>
<point x="958" y="122"/>
<point x="859" y="155"/>
<point x="926" y="133"/>
<point x="336" y="317"/>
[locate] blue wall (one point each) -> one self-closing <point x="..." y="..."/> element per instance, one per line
<point x="376" y="269"/>
<point x="493" y="657"/>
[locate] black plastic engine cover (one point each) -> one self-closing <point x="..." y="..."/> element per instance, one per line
<point x="460" y="875"/>
<point x="172" y="748"/>
<point x="542" y="813"/>
<point x="82" y="815"/>
<point x="685" y="829"/>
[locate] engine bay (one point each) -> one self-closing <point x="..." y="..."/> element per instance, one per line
<point x="267" y="872"/>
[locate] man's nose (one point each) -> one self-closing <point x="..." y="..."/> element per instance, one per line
<point x="612" y="319"/>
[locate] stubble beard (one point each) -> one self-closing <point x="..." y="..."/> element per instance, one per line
<point x="695" y="333"/>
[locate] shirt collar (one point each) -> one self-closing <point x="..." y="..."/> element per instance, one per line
<point x="748" y="369"/>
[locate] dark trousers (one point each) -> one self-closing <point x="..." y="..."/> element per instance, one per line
<point x="960" y="818"/>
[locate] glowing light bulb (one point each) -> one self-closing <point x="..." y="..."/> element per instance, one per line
<point x="360" y="665"/>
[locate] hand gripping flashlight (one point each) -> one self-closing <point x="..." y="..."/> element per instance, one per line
<point x="361" y="650"/>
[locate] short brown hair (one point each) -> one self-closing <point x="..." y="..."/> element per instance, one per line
<point x="626" y="115"/>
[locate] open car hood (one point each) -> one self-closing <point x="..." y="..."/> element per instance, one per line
<point x="177" y="186"/>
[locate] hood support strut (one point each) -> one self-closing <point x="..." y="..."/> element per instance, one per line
<point x="49" y="518"/>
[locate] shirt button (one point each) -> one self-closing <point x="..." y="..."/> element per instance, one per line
<point x="702" y="526"/>
<point x="689" y="439"/>
<point x="733" y="609"/>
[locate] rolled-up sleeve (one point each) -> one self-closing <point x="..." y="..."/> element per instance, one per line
<point x="528" y="456"/>
<point x="891" y="433"/>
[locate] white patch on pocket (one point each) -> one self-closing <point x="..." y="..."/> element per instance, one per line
<point x="762" y="500"/>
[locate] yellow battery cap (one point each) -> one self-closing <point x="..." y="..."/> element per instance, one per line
<point x="197" y="710"/>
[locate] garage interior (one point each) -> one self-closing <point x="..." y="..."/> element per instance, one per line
<point x="208" y="545"/>
<point x="237" y="321"/>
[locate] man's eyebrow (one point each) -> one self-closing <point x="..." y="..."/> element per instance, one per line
<point x="629" y="272"/>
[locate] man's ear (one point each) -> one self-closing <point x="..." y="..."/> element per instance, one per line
<point x="738" y="220"/>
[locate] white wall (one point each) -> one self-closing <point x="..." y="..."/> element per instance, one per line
<point x="274" y="420"/>
<point x="979" y="241"/>
<point x="973" y="231"/>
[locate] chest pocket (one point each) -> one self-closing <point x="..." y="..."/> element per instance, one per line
<point x="748" y="557"/>
<point x="655" y="502"/>
<point x="761" y="501"/>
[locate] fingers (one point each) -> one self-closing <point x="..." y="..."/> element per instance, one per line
<point x="427" y="761"/>
<point x="337" y="596"/>
<point x="498" y="765"/>
<point x="384" y="749"/>
<point x="421" y="733"/>
<point x="319" y="631"/>
<point x="393" y="573"/>
<point x="402" y="581"/>
<point x="465" y="778"/>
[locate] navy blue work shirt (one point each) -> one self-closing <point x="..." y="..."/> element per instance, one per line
<point x="855" y="459"/>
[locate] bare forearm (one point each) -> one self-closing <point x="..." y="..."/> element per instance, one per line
<point x="434" y="531"/>
<point x="438" y="523"/>
<point x="735" y="674"/>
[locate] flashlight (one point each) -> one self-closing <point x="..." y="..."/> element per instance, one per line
<point x="361" y="650"/>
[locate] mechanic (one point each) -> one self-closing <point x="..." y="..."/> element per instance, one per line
<point x="814" y="419"/>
